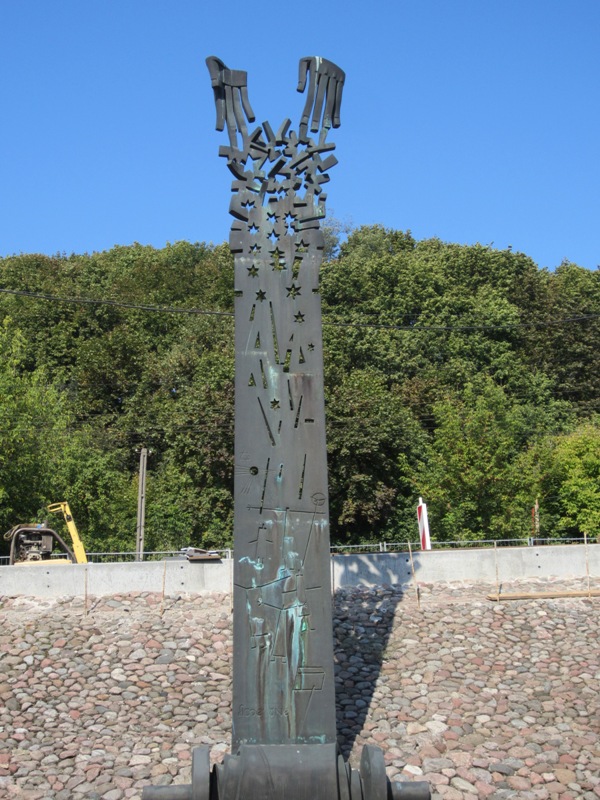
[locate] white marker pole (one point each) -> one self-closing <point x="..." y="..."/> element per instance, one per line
<point x="423" y="525"/>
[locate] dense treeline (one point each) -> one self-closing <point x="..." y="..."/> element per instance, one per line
<point x="460" y="373"/>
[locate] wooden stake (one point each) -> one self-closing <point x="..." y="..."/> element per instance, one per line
<point x="164" y="580"/>
<point x="85" y="591"/>
<point x="543" y="595"/>
<point x="587" y="562"/>
<point x="412" y="566"/>
<point x="496" y="562"/>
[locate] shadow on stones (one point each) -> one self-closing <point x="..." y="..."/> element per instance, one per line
<point x="363" y="619"/>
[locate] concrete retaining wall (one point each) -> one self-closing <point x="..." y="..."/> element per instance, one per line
<point x="181" y="577"/>
<point x="442" y="566"/>
<point x="170" y="577"/>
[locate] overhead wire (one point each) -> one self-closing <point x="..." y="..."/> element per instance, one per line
<point x="116" y="303"/>
<point x="210" y="312"/>
<point x="330" y="323"/>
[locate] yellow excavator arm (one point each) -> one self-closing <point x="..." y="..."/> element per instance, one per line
<point x="78" y="549"/>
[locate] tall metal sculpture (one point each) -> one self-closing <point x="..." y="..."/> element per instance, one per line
<point x="284" y="732"/>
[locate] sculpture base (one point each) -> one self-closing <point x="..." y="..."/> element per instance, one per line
<point x="289" y="772"/>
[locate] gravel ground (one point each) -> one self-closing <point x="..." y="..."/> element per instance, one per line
<point x="482" y="699"/>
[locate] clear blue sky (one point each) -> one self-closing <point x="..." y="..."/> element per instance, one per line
<point x="469" y="120"/>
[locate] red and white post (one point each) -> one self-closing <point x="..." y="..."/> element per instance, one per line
<point x="423" y="525"/>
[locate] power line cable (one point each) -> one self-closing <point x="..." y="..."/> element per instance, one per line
<point x="418" y="328"/>
<point x="116" y="304"/>
<point x="330" y="323"/>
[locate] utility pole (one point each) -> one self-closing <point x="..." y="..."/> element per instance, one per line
<point x="141" y="510"/>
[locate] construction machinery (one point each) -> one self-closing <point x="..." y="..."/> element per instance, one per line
<point x="36" y="543"/>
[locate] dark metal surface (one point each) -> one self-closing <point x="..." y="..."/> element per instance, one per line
<point x="289" y="772"/>
<point x="283" y="655"/>
<point x="284" y="734"/>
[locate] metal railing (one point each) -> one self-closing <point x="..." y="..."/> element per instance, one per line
<point x="340" y="549"/>
<point x="404" y="547"/>
<point x="125" y="556"/>
<point x="149" y="555"/>
<point x="128" y="556"/>
<point x="474" y="543"/>
<point x="368" y="547"/>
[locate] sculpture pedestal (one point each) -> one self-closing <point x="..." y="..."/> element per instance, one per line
<point x="289" y="772"/>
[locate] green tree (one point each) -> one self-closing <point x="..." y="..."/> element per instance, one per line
<point x="568" y="352"/>
<point x="32" y="427"/>
<point x="473" y="477"/>
<point x="565" y="475"/>
<point x="446" y="375"/>
<point x="373" y="447"/>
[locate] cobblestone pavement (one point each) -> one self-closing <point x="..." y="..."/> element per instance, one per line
<point x="482" y="699"/>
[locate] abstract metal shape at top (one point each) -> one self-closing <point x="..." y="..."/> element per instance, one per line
<point x="284" y="733"/>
